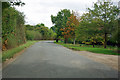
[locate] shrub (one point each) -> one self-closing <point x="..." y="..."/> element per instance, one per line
<point x="33" y="35"/>
<point x="12" y="42"/>
<point x="29" y="35"/>
<point x="37" y="36"/>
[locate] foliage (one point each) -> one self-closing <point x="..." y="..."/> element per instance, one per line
<point x="68" y="31"/>
<point x="12" y="27"/>
<point x="60" y="21"/>
<point x="107" y="13"/>
<point x="88" y="30"/>
<point x="29" y="27"/>
<point x="99" y="26"/>
<point x="52" y="34"/>
<point x="39" y="32"/>
<point x="17" y="3"/>
<point x="44" y="31"/>
<point x="12" y="42"/>
<point x="33" y="35"/>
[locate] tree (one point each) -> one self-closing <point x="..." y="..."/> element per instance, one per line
<point x="60" y="21"/>
<point x="53" y="28"/>
<point x="39" y="25"/>
<point x="12" y="3"/>
<point x="107" y="13"/>
<point x="17" y="3"/>
<point x="88" y="29"/>
<point x="39" y="31"/>
<point x="70" y="28"/>
<point x="114" y="36"/>
<point x="29" y="27"/>
<point x="52" y="34"/>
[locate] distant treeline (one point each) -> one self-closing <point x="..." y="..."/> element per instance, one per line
<point x="39" y="32"/>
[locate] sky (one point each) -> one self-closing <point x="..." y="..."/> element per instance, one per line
<point x="39" y="11"/>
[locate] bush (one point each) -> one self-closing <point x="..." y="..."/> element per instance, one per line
<point x="37" y="36"/>
<point x="33" y="35"/>
<point x="30" y="35"/>
<point x="52" y="35"/>
<point x="11" y="42"/>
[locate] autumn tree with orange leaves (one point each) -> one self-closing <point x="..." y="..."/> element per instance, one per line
<point x="70" y="28"/>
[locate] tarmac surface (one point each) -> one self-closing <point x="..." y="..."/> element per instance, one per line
<point x="46" y="59"/>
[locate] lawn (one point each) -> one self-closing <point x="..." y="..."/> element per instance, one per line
<point x="97" y="49"/>
<point x="10" y="53"/>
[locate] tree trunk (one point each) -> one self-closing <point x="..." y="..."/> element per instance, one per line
<point x="65" y="40"/>
<point x="118" y="48"/>
<point x="118" y="45"/>
<point x="105" y="43"/>
<point x="57" y="40"/>
<point x="93" y="44"/>
<point x="74" y="41"/>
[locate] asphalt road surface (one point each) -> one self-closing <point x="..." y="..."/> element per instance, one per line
<point x="48" y="60"/>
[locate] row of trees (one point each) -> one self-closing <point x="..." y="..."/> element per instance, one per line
<point x="39" y="32"/>
<point x="13" y="33"/>
<point x="98" y="25"/>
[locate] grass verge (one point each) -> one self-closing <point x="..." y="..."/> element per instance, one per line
<point x="10" y="53"/>
<point x="91" y="49"/>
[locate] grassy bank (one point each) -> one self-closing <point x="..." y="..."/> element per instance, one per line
<point x="10" y="53"/>
<point x="98" y="49"/>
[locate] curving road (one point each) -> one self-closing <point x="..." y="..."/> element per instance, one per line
<point x="48" y="60"/>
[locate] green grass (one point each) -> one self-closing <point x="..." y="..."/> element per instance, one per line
<point x="98" y="49"/>
<point x="10" y="53"/>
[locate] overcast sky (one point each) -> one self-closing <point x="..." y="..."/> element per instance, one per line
<point x="39" y="11"/>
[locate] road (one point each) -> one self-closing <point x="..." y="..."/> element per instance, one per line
<point x="48" y="60"/>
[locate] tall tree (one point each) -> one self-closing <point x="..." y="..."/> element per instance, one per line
<point x="107" y="13"/>
<point x="60" y="21"/>
<point x="70" y="28"/>
<point x="88" y="29"/>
